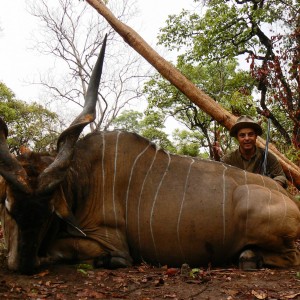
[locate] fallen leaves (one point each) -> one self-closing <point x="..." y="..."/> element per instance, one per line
<point x="41" y="274"/>
<point x="87" y="293"/>
<point x="172" y="271"/>
<point x="172" y="296"/>
<point x="159" y="282"/>
<point x="259" y="294"/>
<point x="290" y="295"/>
<point x="145" y="282"/>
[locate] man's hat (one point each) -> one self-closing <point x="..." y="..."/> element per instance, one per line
<point x="245" y="122"/>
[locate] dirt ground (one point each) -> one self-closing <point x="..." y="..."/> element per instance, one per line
<point x="146" y="282"/>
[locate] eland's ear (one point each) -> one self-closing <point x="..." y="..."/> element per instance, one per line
<point x="2" y="189"/>
<point x="63" y="211"/>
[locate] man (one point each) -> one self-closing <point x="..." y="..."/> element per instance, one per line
<point x="248" y="156"/>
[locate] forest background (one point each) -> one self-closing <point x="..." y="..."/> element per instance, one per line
<point x="243" y="54"/>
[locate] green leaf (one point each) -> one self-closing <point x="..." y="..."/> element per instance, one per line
<point x="84" y="272"/>
<point x="85" y="266"/>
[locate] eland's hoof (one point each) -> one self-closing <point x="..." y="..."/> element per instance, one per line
<point x="113" y="260"/>
<point x="250" y="261"/>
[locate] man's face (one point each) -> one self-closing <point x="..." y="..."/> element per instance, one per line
<point x="247" y="139"/>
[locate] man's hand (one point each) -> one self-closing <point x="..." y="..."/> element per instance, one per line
<point x="217" y="151"/>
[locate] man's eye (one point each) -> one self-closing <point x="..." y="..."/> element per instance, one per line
<point x="243" y="135"/>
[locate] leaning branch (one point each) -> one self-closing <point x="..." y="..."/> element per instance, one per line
<point x="167" y="70"/>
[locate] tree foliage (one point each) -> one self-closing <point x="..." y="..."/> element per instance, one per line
<point x="266" y="34"/>
<point x="187" y="143"/>
<point x="30" y="125"/>
<point x="150" y="126"/>
<point x="222" y="81"/>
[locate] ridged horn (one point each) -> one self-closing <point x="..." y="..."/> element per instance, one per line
<point x="10" y="168"/>
<point x="55" y="173"/>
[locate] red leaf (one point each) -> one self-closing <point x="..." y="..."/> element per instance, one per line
<point x="172" y="271"/>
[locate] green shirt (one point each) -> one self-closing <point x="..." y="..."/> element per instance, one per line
<point x="255" y="164"/>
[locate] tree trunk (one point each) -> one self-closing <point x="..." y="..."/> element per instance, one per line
<point x="167" y="70"/>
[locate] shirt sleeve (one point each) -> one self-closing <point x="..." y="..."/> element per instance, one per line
<point x="275" y="170"/>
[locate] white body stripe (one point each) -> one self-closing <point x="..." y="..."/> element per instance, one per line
<point x="224" y="204"/>
<point x="114" y="183"/>
<point x="103" y="184"/>
<point x="129" y="182"/>
<point x="247" y="204"/>
<point x="285" y="211"/>
<point x="140" y="197"/>
<point x="263" y="180"/>
<point x="154" y="202"/>
<point x="181" y="206"/>
<point x="269" y="208"/>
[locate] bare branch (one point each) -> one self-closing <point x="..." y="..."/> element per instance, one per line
<point x="72" y="33"/>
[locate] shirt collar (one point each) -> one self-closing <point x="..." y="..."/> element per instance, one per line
<point x="255" y="154"/>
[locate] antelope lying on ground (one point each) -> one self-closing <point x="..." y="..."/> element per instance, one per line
<point x="115" y="198"/>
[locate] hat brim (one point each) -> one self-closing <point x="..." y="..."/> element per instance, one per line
<point x="236" y="127"/>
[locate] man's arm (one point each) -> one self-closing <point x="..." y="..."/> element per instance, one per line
<point x="276" y="171"/>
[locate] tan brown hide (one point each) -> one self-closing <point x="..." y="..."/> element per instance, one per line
<point x="168" y="209"/>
